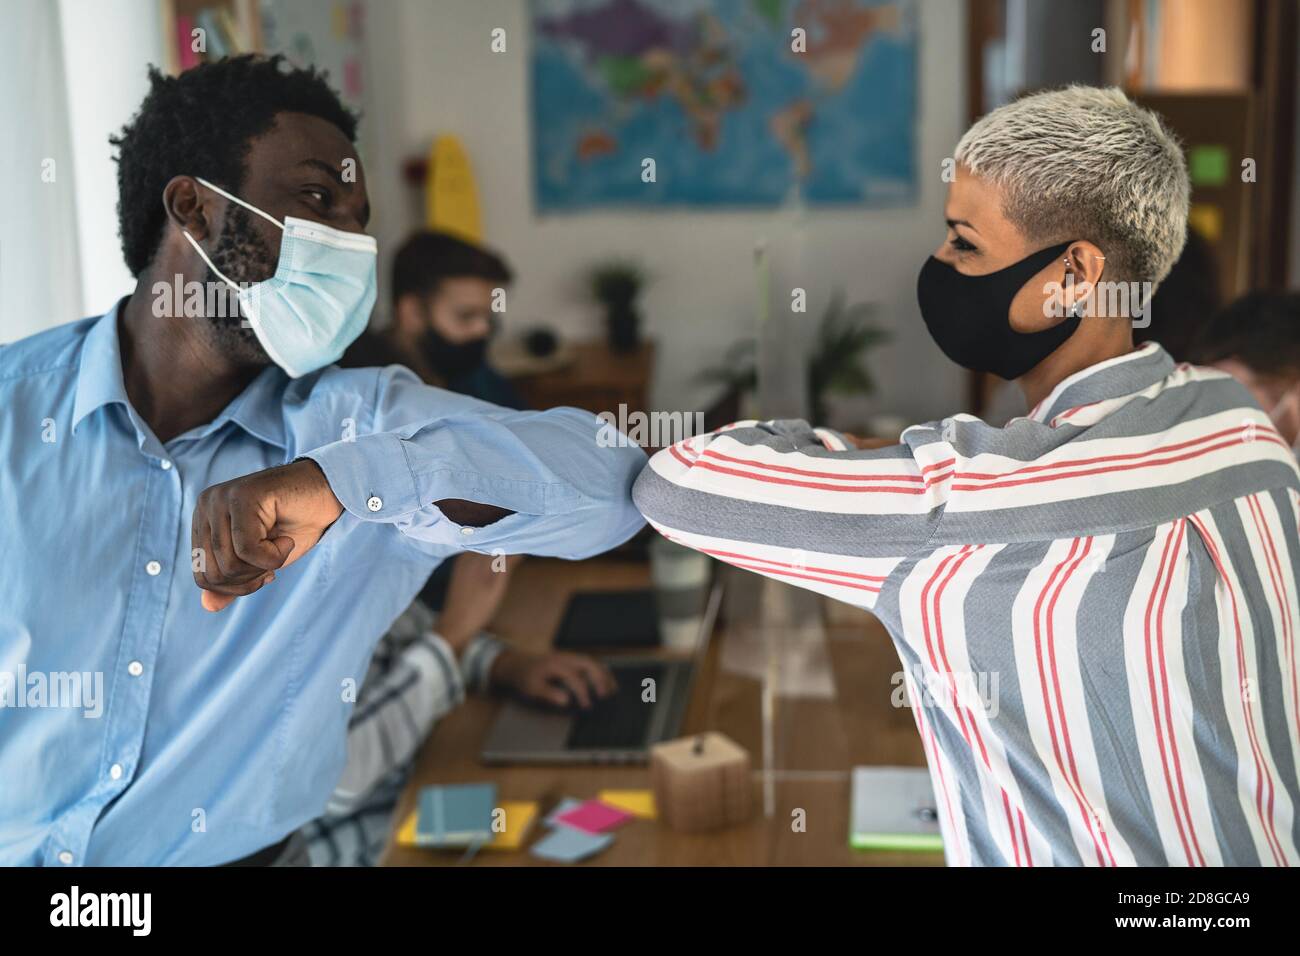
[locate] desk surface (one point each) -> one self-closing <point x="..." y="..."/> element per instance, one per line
<point x="816" y="740"/>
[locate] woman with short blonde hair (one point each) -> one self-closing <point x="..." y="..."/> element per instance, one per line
<point x="1096" y="606"/>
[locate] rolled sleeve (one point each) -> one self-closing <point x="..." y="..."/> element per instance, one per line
<point x="565" y="475"/>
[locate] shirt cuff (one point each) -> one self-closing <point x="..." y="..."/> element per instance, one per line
<point x="443" y="665"/>
<point x="475" y="662"/>
<point x="370" y="476"/>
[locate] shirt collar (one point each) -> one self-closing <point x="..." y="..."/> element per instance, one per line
<point x="99" y="376"/>
<point x="1113" y="378"/>
<point x="257" y="409"/>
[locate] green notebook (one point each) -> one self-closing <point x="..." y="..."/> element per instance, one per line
<point x="893" y="808"/>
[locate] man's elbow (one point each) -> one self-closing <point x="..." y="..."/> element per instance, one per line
<point x="617" y="519"/>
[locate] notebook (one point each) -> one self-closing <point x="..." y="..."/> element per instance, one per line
<point x="455" y="815"/>
<point x="893" y="808"/>
<point x="519" y="817"/>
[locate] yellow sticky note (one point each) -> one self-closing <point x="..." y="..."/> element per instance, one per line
<point x="406" y="835"/>
<point x="1207" y="220"/>
<point x="639" y="803"/>
<point x="519" y="816"/>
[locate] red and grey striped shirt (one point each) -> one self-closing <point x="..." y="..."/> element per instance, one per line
<point x="1120" y="567"/>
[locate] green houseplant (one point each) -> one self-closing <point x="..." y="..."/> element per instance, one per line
<point x="844" y="336"/>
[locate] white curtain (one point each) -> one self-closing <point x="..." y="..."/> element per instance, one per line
<point x="40" y="279"/>
<point x="71" y="73"/>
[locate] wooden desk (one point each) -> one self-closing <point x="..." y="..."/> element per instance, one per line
<point x="818" y="741"/>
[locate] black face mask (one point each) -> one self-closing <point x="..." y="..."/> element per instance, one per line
<point x="969" y="317"/>
<point x="452" y="360"/>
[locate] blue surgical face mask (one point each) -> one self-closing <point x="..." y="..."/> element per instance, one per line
<point x="319" y="299"/>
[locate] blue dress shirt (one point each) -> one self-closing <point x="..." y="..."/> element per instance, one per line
<point x="137" y="728"/>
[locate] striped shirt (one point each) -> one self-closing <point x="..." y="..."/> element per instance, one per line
<point x="1095" y="606"/>
<point x="413" y="680"/>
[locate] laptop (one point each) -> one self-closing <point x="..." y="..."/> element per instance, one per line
<point x="619" y="729"/>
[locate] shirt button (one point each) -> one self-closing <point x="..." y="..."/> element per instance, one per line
<point x="135" y="668"/>
<point x="165" y="464"/>
<point x="467" y="531"/>
<point x="65" y="858"/>
<point x="115" y="771"/>
<point x="153" y="567"/>
<point x="374" y="503"/>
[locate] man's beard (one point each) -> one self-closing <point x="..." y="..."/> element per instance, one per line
<point x="244" y="258"/>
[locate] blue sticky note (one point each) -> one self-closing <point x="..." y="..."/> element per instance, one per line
<point x="569" y="845"/>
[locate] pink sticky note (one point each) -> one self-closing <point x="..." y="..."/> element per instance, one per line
<point x="594" y="817"/>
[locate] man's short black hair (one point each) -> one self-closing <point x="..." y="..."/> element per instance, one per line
<point x="428" y="257"/>
<point x="1261" y="330"/>
<point x="200" y="124"/>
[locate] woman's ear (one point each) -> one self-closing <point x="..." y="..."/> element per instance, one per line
<point x="1084" y="265"/>
<point x="188" y="207"/>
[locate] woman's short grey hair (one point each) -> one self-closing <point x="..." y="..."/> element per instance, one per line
<point x="1087" y="163"/>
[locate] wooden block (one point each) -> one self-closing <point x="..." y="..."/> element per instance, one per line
<point x="701" y="782"/>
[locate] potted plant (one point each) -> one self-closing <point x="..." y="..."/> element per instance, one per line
<point x="616" y="284"/>
<point x="844" y="336"/>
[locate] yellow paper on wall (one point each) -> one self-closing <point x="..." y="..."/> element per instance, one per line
<point x="450" y="194"/>
<point x="1207" y="220"/>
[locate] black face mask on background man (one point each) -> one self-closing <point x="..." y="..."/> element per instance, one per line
<point x="453" y="360"/>
<point x="969" y="317"/>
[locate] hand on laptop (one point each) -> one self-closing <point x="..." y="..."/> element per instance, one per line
<point x="559" y="679"/>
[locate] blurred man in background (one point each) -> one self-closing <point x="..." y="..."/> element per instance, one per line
<point x="444" y="293"/>
<point x="438" y="650"/>
<point x="1256" y="340"/>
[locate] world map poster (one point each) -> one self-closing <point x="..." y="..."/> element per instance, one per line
<point x="737" y="102"/>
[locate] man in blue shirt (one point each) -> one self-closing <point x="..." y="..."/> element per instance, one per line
<point x="157" y="447"/>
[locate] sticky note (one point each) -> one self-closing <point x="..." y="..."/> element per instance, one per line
<point x="1207" y="165"/>
<point x="1206" y="220"/>
<point x="639" y="803"/>
<point x="561" y="808"/>
<point x="406" y="834"/>
<point x="518" y="816"/>
<point x="569" y="845"/>
<point x="594" y="817"/>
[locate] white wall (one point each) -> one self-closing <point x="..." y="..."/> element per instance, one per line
<point x="431" y="71"/>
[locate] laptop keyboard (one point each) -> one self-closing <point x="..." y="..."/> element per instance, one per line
<point x="622" y="720"/>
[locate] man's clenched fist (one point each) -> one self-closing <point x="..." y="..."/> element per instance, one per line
<point x="243" y="530"/>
